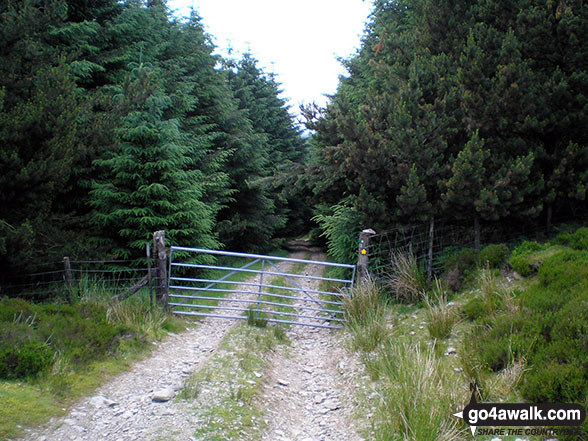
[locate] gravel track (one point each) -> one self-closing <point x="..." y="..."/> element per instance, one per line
<point x="310" y="388"/>
<point x="305" y="395"/>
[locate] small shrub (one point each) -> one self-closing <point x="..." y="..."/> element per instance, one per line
<point x="474" y="309"/>
<point x="521" y="260"/>
<point x="85" y="339"/>
<point x="528" y="247"/>
<point x="522" y="265"/>
<point x="577" y="240"/>
<point x="528" y="257"/>
<point x="12" y="309"/>
<point x="564" y="270"/>
<point x="507" y="338"/>
<point x="555" y="382"/>
<point x="26" y="361"/>
<point x="465" y="261"/>
<point x="458" y="267"/>
<point x="493" y="256"/>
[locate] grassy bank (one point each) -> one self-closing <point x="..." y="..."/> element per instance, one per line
<point x="521" y="339"/>
<point x="51" y="354"/>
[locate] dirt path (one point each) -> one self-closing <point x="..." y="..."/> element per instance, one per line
<point x="305" y="396"/>
<point x="309" y="395"/>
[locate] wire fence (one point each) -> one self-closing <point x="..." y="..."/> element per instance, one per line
<point x="61" y="280"/>
<point x="447" y="239"/>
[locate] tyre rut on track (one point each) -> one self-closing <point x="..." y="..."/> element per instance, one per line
<point x="304" y="397"/>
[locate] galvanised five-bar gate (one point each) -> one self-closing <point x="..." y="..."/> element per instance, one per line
<point x="267" y="288"/>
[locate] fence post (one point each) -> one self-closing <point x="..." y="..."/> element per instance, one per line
<point x="362" y="254"/>
<point x="68" y="278"/>
<point x="430" y="253"/>
<point x="149" y="274"/>
<point x="161" y="288"/>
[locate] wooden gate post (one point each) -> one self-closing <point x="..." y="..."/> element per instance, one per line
<point x="362" y="254"/>
<point x="161" y="288"/>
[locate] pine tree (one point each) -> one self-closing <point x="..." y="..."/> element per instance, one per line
<point x="41" y="117"/>
<point x="468" y="189"/>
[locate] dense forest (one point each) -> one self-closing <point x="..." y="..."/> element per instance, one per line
<point x="458" y="112"/>
<point x="116" y="120"/>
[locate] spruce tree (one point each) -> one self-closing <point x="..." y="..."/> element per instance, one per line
<point x="148" y="183"/>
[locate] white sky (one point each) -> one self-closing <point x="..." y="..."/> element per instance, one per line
<point x="299" y="41"/>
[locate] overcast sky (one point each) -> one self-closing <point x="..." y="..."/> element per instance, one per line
<point x="299" y="40"/>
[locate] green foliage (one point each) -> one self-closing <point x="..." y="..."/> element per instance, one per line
<point x="528" y="247"/>
<point x="464" y="261"/>
<point x="117" y="122"/>
<point x="527" y="257"/>
<point x="32" y="333"/>
<point x="366" y="316"/>
<point x="341" y="229"/>
<point x="149" y="183"/>
<point x="549" y="329"/>
<point x="457" y="113"/>
<point x="565" y="272"/>
<point x="494" y="255"/>
<point x="577" y="240"/>
<point x="25" y="361"/>
<point x="459" y="266"/>
<point x="521" y="265"/>
<point x="475" y="309"/>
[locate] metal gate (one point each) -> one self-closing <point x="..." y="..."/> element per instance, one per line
<point x="261" y="288"/>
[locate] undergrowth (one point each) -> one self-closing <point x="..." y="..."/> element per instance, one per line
<point x="519" y="340"/>
<point x="367" y="316"/>
<point x="53" y="353"/>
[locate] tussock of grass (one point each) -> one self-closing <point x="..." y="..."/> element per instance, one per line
<point x="492" y="297"/>
<point x="419" y="397"/>
<point x="406" y="279"/>
<point x="366" y="315"/>
<point x="440" y="318"/>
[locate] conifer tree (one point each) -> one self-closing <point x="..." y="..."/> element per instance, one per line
<point x="148" y="183"/>
<point x="262" y="161"/>
<point x="469" y="184"/>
